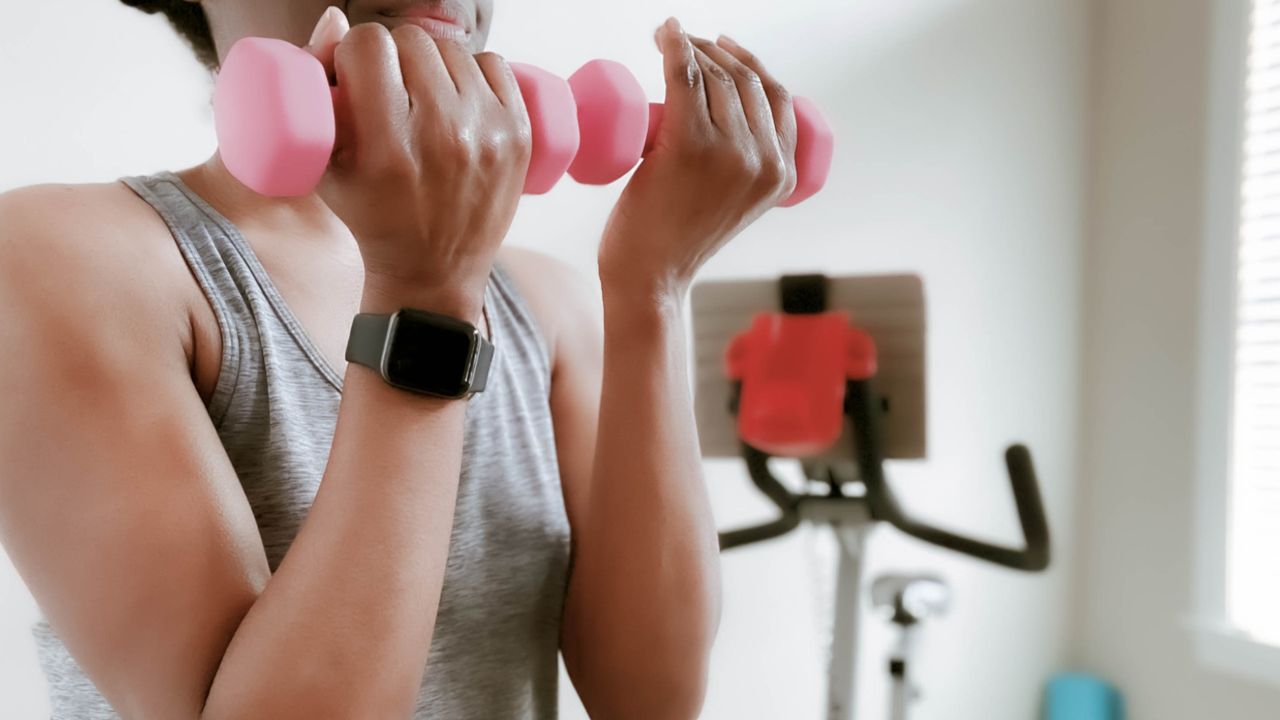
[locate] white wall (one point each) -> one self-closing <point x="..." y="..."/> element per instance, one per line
<point x="960" y="126"/>
<point x="1138" y="516"/>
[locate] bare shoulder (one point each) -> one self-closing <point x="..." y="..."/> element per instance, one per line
<point x="92" y="249"/>
<point x="558" y="294"/>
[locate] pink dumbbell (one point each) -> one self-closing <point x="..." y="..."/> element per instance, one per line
<point x="618" y="125"/>
<point x="274" y="116"/>
<point x="273" y="112"/>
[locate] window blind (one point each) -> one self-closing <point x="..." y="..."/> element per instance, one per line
<point x="1253" y="567"/>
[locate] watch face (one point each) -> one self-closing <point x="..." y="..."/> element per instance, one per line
<point x="431" y="353"/>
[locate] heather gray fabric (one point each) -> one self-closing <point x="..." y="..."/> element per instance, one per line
<point x="275" y="406"/>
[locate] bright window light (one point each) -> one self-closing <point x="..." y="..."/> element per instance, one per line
<point x="1253" y="568"/>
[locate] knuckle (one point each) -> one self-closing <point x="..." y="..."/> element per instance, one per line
<point x="520" y="139"/>
<point x="414" y="45"/>
<point x="772" y="170"/>
<point x="525" y="154"/>
<point x="513" y="133"/>
<point x="497" y="66"/>
<point x="781" y="180"/>
<point x="490" y="152"/>
<point x="503" y="150"/>
<point x="367" y="34"/>
<point x="788" y="187"/>
<point x="790" y="179"/>
<point x="773" y="175"/>
<point x="720" y="74"/>
<point x="779" y="93"/>
<point x="514" y="116"/>
<point x="688" y="75"/>
<point x="466" y="148"/>
<point x="446" y="50"/>
<point x="407" y="33"/>
<point x="393" y="167"/>
<point x="749" y="76"/>
<point x="743" y="164"/>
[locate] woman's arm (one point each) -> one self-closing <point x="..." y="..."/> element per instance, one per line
<point x="123" y="514"/>
<point x="119" y="506"/>
<point x="644" y="598"/>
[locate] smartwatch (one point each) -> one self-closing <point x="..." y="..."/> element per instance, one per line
<point x="422" y="352"/>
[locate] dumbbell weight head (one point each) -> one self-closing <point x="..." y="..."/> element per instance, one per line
<point x="555" y="138"/>
<point x="273" y="112"/>
<point x="815" y="146"/>
<point x="613" y="120"/>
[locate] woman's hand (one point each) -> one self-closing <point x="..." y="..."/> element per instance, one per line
<point x="432" y="150"/>
<point x="725" y="154"/>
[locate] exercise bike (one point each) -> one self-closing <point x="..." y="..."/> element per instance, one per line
<point x="803" y="381"/>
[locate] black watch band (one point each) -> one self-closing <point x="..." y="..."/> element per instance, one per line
<point x="373" y="343"/>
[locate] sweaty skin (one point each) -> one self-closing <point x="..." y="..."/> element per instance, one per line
<point x="203" y="629"/>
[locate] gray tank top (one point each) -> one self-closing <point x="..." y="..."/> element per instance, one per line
<point x="494" y="654"/>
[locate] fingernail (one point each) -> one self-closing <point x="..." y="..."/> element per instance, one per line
<point x="341" y="25"/>
<point x="674" y="25"/>
<point x="326" y="21"/>
<point x="727" y="40"/>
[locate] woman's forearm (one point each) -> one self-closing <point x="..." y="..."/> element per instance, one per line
<point x="644" y="597"/>
<point x="344" y="625"/>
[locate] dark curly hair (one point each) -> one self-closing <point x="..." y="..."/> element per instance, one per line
<point x="189" y="20"/>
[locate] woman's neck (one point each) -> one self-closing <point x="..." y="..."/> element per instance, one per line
<point x="261" y="215"/>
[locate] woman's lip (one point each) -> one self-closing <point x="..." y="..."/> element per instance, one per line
<point x="436" y="28"/>
<point x="432" y="13"/>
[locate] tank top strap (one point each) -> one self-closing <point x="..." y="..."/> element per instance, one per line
<point x="517" y="331"/>
<point x="222" y="274"/>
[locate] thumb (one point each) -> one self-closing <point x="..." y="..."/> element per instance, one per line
<point x="682" y="73"/>
<point x="330" y="30"/>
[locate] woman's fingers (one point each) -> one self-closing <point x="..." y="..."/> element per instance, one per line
<point x="743" y="121"/>
<point x="425" y="74"/>
<point x="751" y="96"/>
<point x="374" y="104"/>
<point x="723" y="102"/>
<point x="463" y="68"/>
<point x="686" y="97"/>
<point x="784" y="118"/>
<point x="501" y="79"/>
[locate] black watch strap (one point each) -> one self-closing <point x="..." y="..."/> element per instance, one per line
<point x="369" y="338"/>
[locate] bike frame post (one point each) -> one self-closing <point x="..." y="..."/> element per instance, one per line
<point x="843" y="666"/>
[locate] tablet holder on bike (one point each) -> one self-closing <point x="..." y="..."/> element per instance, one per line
<point x="801" y="380"/>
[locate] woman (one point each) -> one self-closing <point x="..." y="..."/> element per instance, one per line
<point x="220" y="518"/>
